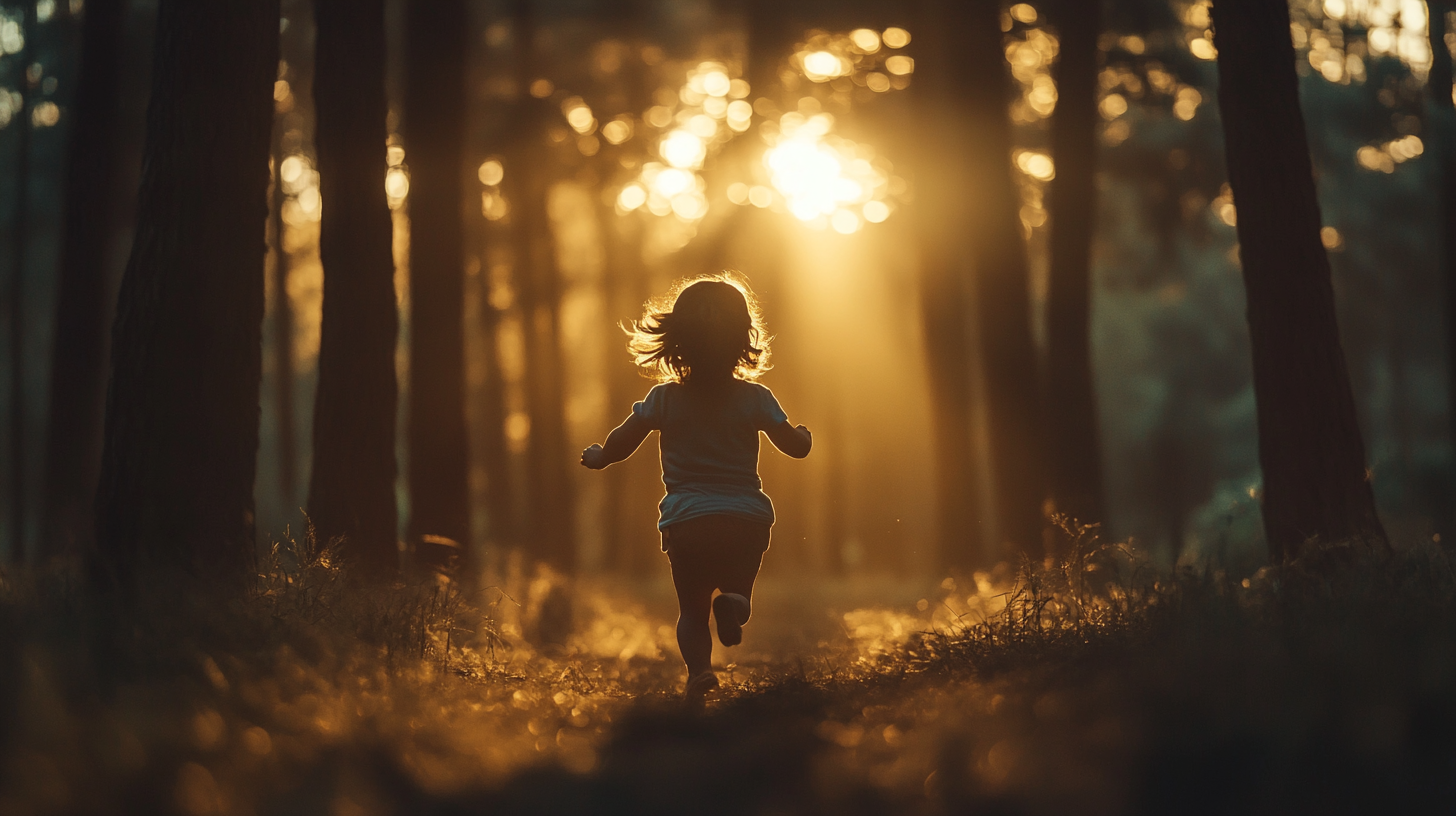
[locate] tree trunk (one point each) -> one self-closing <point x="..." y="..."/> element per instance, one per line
<point x="78" y="362"/>
<point x="19" y="249"/>
<point x="434" y="130"/>
<point x="550" y="526"/>
<point x="352" y="489"/>
<point x="181" y="439"/>
<point x="1443" y="121"/>
<point x="1316" y="486"/>
<point x="990" y="216"/>
<point x="945" y="300"/>
<point x="1074" y="459"/>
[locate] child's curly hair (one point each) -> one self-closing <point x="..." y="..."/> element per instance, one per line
<point x="710" y="324"/>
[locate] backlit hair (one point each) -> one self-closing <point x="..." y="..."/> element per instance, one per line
<point x="711" y="324"/>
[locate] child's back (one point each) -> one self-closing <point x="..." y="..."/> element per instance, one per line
<point x="715" y="517"/>
<point x="709" y="441"/>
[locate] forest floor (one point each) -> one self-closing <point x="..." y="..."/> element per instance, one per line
<point x="1090" y="687"/>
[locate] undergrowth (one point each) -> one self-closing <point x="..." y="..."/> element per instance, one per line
<point x="1090" y="683"/>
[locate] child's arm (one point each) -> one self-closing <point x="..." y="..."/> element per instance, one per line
<point x="794" y="441"/>
<point x="621" y="443"/>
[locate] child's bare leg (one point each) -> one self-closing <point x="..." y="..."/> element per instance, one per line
<point x="694" y="639"/>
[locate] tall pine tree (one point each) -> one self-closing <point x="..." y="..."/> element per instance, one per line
<point x="181" y="439"/>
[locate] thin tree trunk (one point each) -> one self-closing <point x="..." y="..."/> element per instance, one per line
<point x="1316" y="485"/>
<point x="1443" y="121"/>
<point x="1074" y="458"/>
<point x="434" y="130"/>
<point x="16" y="300"/>
<point x="282" y="339"/>
<point x="352" y="489"/>
<point x="991" y="217"/>
<point x="551" y="508"/>
<point x="500" y="504"/>
<point x="181" y="440"/>
<point x="944" y="302"/>
<point x="78" y="362"/>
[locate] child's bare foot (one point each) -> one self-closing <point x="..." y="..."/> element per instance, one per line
<point x="731" y="610"/>
<point x="699" y="687"/>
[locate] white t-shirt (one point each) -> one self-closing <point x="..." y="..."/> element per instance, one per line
<point x="709" y="441"/>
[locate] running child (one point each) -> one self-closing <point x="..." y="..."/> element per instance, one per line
<point x="706" y="347"/>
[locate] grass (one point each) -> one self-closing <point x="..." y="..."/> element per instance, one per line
<point x="1093" y="685"/>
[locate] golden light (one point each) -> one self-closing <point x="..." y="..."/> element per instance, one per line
<point x="1331" y="238"/>
<point x="617" y="131"/>
<point x="667" y="181"/>
<point x="394" y="155"/>
<point x="291" y="170"/>
<point x="760" y="196"/>
<point x="738" y="88"/>
<point x="703" y="126"/>
<point x="1037" y="165"/>
<point x="396" y="185"/>
<point x="738" y="192"/>
<point x="876" y="212"/>
<point x="717" y="83"/>
<point x="824" y="181"/>
<point x="683" y="149"/>
<point x="895" y="37"/>
<point x="739" y="111"/>
<point x="542" y="88"/>
<point x="1202" y="48"/>
<point x="822" y="66"/>
<point x="491" y="172"/>
<point x="578" y="115"/>
<point x="493" y="205"/>
<point x="1186" y="105"/>
<point x="865" y="39"/>
<point x="715" y="106"/>
<point x="1112" y="106"/>
<point x="877" y="82"/>
<point x="900" y="65"/>
<point x="631" y="197"/>
<point x="1023" y="13"/>
<point x="311" y="203"/>
<point x="659" y="116"/>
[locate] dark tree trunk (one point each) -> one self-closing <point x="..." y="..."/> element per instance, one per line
<point x="990" y="216"/>
<point x="351" y="493"/>
<point x="500" y="504"/>
<point x="19" y="249"/>
<point x="945" y="294"/>
<point x="434" y="130"/>
<point x="1443" y="121"/>
<point x="551" y="509"/>
<point x="1316" y="486"/>
<point x="1074" y="459"/>
<point x="78" y="362"/>
<point x="282" y="339"/>
<point x="181" y="440"/>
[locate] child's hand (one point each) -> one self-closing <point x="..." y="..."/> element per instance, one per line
<point x="594" y="457"/>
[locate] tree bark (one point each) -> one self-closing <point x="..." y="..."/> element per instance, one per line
<point x="1316" y="485"/>
<point x="945" y="301"/>
<point x="1074" y="458"/>
<point x="78" y="362"/>
<point x="352" y="489"/>
<point x="434" y="130"/>
<point x="19" y="250"/>
<point x="549" y="494"/>
<point x="990" y="217"/>
<point x="1443" y="137"/>
<point x="181" y="439"/>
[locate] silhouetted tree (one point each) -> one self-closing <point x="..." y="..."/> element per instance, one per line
<point x="528" y="179"/>
<point x="351" y="493"/>
<point x="990" y="217"/>
<point x="181" y="439"/>
<point x="1316" y="485"/>
<point x="434" y="130"/>
<point x="19" y="249"/>
<point x="945" y="287"/>
<point x="78" y="359"/>
<point x="1074" y="460"/>
<point x="1443" y="138"/>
